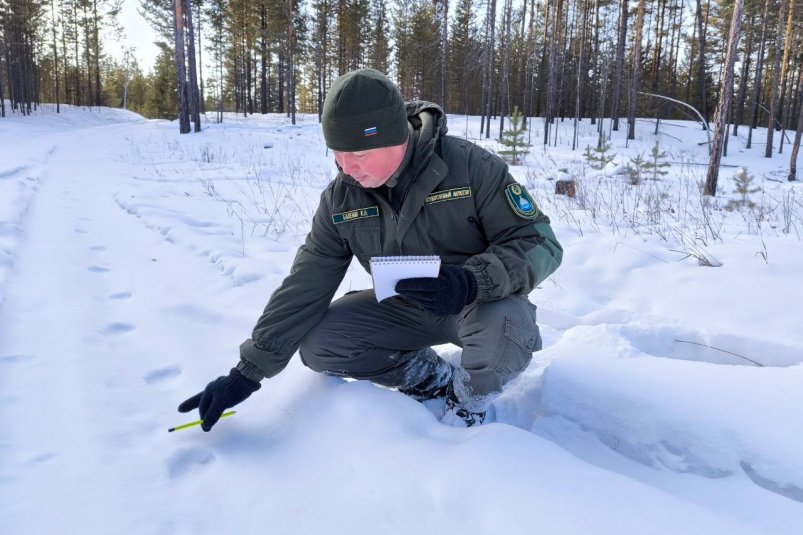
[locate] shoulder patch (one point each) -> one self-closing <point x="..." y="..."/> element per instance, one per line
<point x="521" y="202"/>
<point x="352" y="215"/>
<point x="448" y="195"/>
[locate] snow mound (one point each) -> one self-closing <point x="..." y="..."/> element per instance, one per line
<point x="681" y="415"/>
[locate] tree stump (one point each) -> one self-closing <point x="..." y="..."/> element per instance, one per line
<point x="566" y="187"/>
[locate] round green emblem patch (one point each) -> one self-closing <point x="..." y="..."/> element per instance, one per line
<point x="521" y="202"/>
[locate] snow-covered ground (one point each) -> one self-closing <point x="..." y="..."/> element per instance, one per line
<point x="133" y="261"/>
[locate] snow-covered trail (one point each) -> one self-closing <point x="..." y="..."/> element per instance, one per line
<point x="112" y="316"/>
<point x="92" y="289"/>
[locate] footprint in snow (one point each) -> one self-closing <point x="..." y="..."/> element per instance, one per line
<point x="162" y="374"/>
<point x="79" y="231"/>
<point x="120" y="295"/>
<point x="118" y="328"/>
<point x="98" y="248"/>
<point x="186" y="459"/>
<point x="98" y="269"/>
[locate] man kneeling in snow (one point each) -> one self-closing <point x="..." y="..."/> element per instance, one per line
<point x="405" y="188"/>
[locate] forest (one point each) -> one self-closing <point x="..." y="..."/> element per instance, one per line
<point x="727" y="64"/>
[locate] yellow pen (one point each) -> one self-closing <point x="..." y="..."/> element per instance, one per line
<point x="198" y="422"/>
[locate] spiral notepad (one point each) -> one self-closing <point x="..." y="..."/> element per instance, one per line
<point x="388" y="270"/>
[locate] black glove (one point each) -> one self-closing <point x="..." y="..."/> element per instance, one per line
<point x="447" y="294"/>
<point x="224" y="392"/>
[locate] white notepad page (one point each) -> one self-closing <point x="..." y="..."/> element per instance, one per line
<point x="388" y="270"/>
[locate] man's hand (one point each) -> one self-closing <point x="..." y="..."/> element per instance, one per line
<point x="447" y="294"/>
<point x="224" y="392"/>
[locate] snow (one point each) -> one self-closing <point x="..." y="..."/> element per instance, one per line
<point x="133" y="261"/>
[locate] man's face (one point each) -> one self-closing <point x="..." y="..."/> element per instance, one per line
<point x="372" y="168"/>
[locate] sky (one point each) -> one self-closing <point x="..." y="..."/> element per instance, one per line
<point x="138" y="34"/>
<point x="134" y="261"/>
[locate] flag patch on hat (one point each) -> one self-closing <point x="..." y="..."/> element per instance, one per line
<point x="370" y="131"/>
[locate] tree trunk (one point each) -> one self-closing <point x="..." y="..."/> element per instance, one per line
<point x="2" y="98"/>
<point x="744" y="78"/>
<point x="505" y="82"/>
<point x="195" y="105"/>
<point x="96" y="46"/>
<point x="701" y="89"/>
<point x="776" y="77"/>
<point x="656" y="57"/>
<point x="620" y="61"/>
<point x="631" y="118"/>
<point x="595" y="76"/>
<point x="528" y="74"/>
<point x="491" y="46"/>
<point x="87" y="56"/>
<point x="249" y="79"/>
<point x="291" y="68"/>
<point x="263" y="58"/>
<point x="201" y="98"/>
<point x="554" y="36"/>
<point x="219" y="47"/>
<point x="580" y="64"/>
<point x="724" y="101"/>
<point x="781" y="118"/>
<point x="521" y="66"/>
<point x="77" y="67"/>
<point x="444" y="50"/>
<point x="758" y="77"/>
<point x="674" y="46"/>
<point x="55" y="57"/>
<point x="181" y="75"/>
<point x="799" y="132"/>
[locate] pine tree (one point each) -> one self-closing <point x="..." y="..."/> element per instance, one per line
<point x="514" y="139"/>
<point x="723" y="107"/>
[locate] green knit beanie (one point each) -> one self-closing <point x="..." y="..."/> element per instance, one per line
<point x="363" y="110"/>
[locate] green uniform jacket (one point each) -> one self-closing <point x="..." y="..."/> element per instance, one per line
<point x="459" y="202"/>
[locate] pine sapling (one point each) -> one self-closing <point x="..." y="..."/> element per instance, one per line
<point x="744" y="187"/>
<point x="513" y="139"/>
<point x="657" y="163"/>
<point x="635" y="169"/>
<point x="599" y="157"/>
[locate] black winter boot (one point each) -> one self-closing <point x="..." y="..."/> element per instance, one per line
<point x="436" y="381"/>
<point x="459" y="414"/>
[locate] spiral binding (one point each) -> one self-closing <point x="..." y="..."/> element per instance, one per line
<point x="383" y="260"/>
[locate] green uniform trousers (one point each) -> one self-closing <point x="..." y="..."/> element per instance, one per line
<point x="363" y="339"/>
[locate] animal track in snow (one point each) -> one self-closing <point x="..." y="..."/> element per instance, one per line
<point x="162" y="374"/>
<point x="118" y="328"/>
<point x="98" y="269"/>
<point x="120" y="295"/>
<point x="186" y="459"/>
<point x="41" y="458"/>
<point x="8" y="173"/>
<point x="98" y="248"/>
<point x="11" y="359"/>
